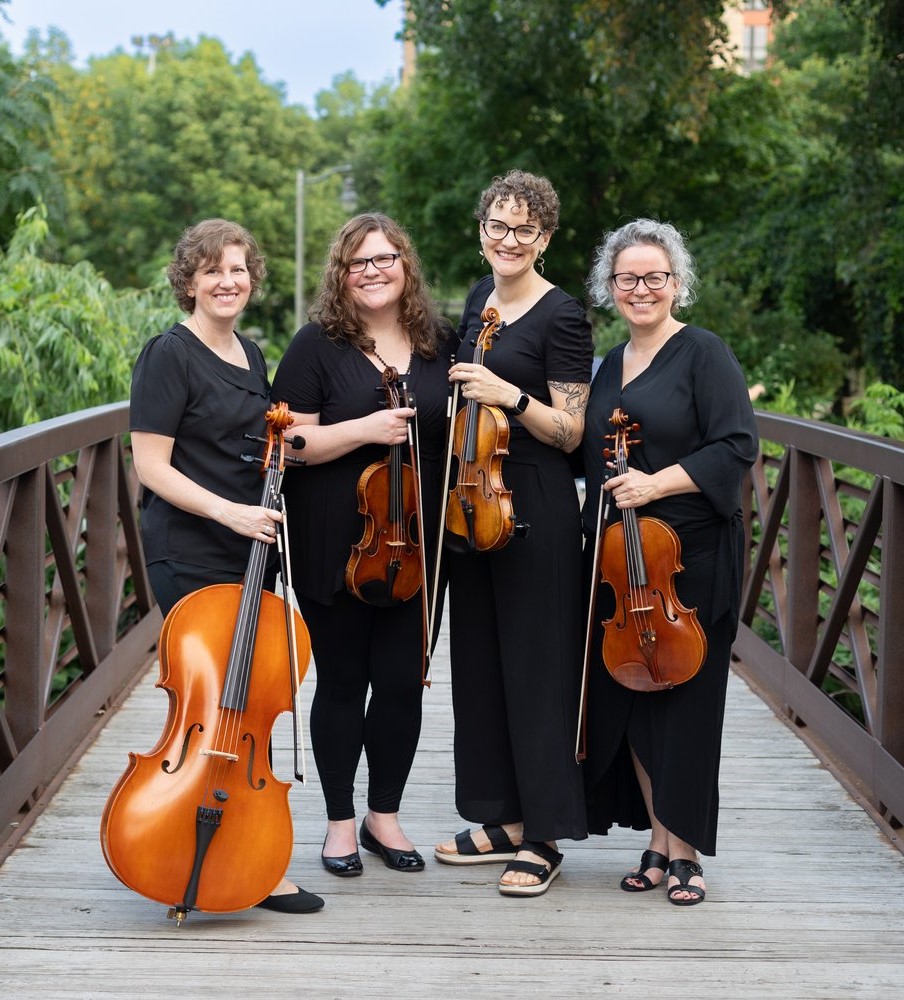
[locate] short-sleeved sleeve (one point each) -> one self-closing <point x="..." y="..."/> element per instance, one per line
<point x="569" y="356"/>
<point x="160" y="387"/>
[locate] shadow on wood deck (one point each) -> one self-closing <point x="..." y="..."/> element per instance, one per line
<point x="805" y="900"/>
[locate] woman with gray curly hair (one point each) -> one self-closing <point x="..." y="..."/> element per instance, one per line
<point x="653" y="756"/>
<point x="514" y="620"/>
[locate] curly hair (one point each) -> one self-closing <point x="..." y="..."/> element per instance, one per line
<point x="335" y="310"/>
<point x="642" y="232"/>
<point x="537" y="193"/>
<point x="204" y="243"/>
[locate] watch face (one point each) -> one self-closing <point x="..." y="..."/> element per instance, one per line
<point x="523" y="400"/>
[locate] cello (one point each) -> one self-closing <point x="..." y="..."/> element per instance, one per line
<point x="652" y="642"/>
<point x="479" y="514"/>
<point x="200" y="821"/>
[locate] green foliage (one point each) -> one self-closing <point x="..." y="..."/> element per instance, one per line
<point x="26" y="165"/>
<point x="151" y="143"/>
<point x="67" y="338"/>
<point x="880" y="410"/>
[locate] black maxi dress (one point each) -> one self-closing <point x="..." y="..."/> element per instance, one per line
<point x="693" y="409"/>
<point x="358" y="648"/>
<point x="515" y="613"/>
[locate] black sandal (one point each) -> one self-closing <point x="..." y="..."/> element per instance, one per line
<point x="468" y="853"/>
<point x="544" y="874"/>
<point x="684" y="871"/>
<point x="649" y="859"/>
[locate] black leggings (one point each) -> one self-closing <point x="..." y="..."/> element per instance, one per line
<point x="357" y="646"/>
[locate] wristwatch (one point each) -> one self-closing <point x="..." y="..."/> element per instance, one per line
<point x="521" y="403"/>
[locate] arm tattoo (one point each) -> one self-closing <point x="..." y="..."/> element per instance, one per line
<point x="576" y="395"/>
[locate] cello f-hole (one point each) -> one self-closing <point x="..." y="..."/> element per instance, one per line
<point x="165" y="765"/>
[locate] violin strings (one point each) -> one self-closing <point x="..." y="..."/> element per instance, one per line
<point x="634" y="551"/>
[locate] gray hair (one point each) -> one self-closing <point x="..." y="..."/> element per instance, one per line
<point x="643" y="232"/>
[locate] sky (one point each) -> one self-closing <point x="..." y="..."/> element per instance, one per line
<point x="301" y="43"/>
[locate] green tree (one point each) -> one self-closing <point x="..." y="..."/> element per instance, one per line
<point x="68" y="340"/>
<point x="616" y="117"/>
<point x="27" y="172"/>
<point x="152" y="142"/>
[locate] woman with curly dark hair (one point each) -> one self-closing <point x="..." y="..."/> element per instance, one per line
<point x="515" y="612"/>
<point x="373" y="312"/>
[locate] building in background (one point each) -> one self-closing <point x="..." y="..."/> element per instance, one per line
<point x="750" y="32"/>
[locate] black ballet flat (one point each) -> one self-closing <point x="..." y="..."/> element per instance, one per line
<point x="293" y="902"/>
<point x="347" y="866"/>
<point x="400" y="861"/>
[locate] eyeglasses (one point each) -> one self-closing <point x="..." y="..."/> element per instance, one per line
<point x="654" y="280"/>
<point x="497" y="230"/>
<point x="382" y="261"/>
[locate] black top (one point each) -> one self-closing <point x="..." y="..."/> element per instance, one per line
<point x="693" y="409"/>
<point x="183" y="390"/>
<point x="328" y="376"/>
<point x="551" y="342"/>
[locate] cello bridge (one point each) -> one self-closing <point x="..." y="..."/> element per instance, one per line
<point x="219" y="753"/>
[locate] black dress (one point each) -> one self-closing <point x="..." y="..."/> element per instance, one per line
<point x="693" y="409"/>
<point x="515" y="613"/>
<point x="358" y="647"/>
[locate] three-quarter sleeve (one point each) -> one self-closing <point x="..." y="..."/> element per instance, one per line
<point x="729" y="440"/>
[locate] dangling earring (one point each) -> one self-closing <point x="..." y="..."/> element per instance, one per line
<point x="541" y="261"/>
<point x="482" y="254"/>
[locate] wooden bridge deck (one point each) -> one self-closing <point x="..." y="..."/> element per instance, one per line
<point x="806" y="897"/>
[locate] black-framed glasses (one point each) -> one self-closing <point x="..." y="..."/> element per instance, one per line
<point x="498" y="230"/>
<point x="654" y="280"/>
<point x="382" y="261"/>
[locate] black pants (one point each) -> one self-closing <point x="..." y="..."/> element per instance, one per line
<point x="358" y="647"/>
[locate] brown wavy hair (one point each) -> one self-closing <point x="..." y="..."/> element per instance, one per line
<point x="334" y="309"/>
<point x="204" y="243"/>
<point x="537" y="193"/>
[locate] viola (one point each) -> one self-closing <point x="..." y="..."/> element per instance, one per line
<point x="652" y="642"/>
<point x="479" y="514"/>
<point x="201" y="822"/>
<point x="386" y="567"/>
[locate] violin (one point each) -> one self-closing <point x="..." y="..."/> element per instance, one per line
<point x="385" y="567"/>
<point x="652" y="642"/>
<point x="479" y="514"/>
<point x="201" y="822"/>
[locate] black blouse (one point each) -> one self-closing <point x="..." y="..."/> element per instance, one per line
<point x="183" y="390"/>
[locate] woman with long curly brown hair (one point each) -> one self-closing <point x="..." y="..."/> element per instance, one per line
<point x="373" y="312"/>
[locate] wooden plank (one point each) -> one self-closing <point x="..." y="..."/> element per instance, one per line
<point x="806" y="897"/>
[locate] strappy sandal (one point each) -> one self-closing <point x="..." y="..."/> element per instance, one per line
<point x="684" y="871"/>
<point x="544" y="874"/>
<point x="468" y="853"/>
<point x="649" y="859"/>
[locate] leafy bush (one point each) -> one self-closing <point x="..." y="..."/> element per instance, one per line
<point x="68" y="340"/>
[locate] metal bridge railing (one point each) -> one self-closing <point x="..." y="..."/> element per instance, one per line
<point x="822" y="634"/>
<point x="77" y="618"/>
